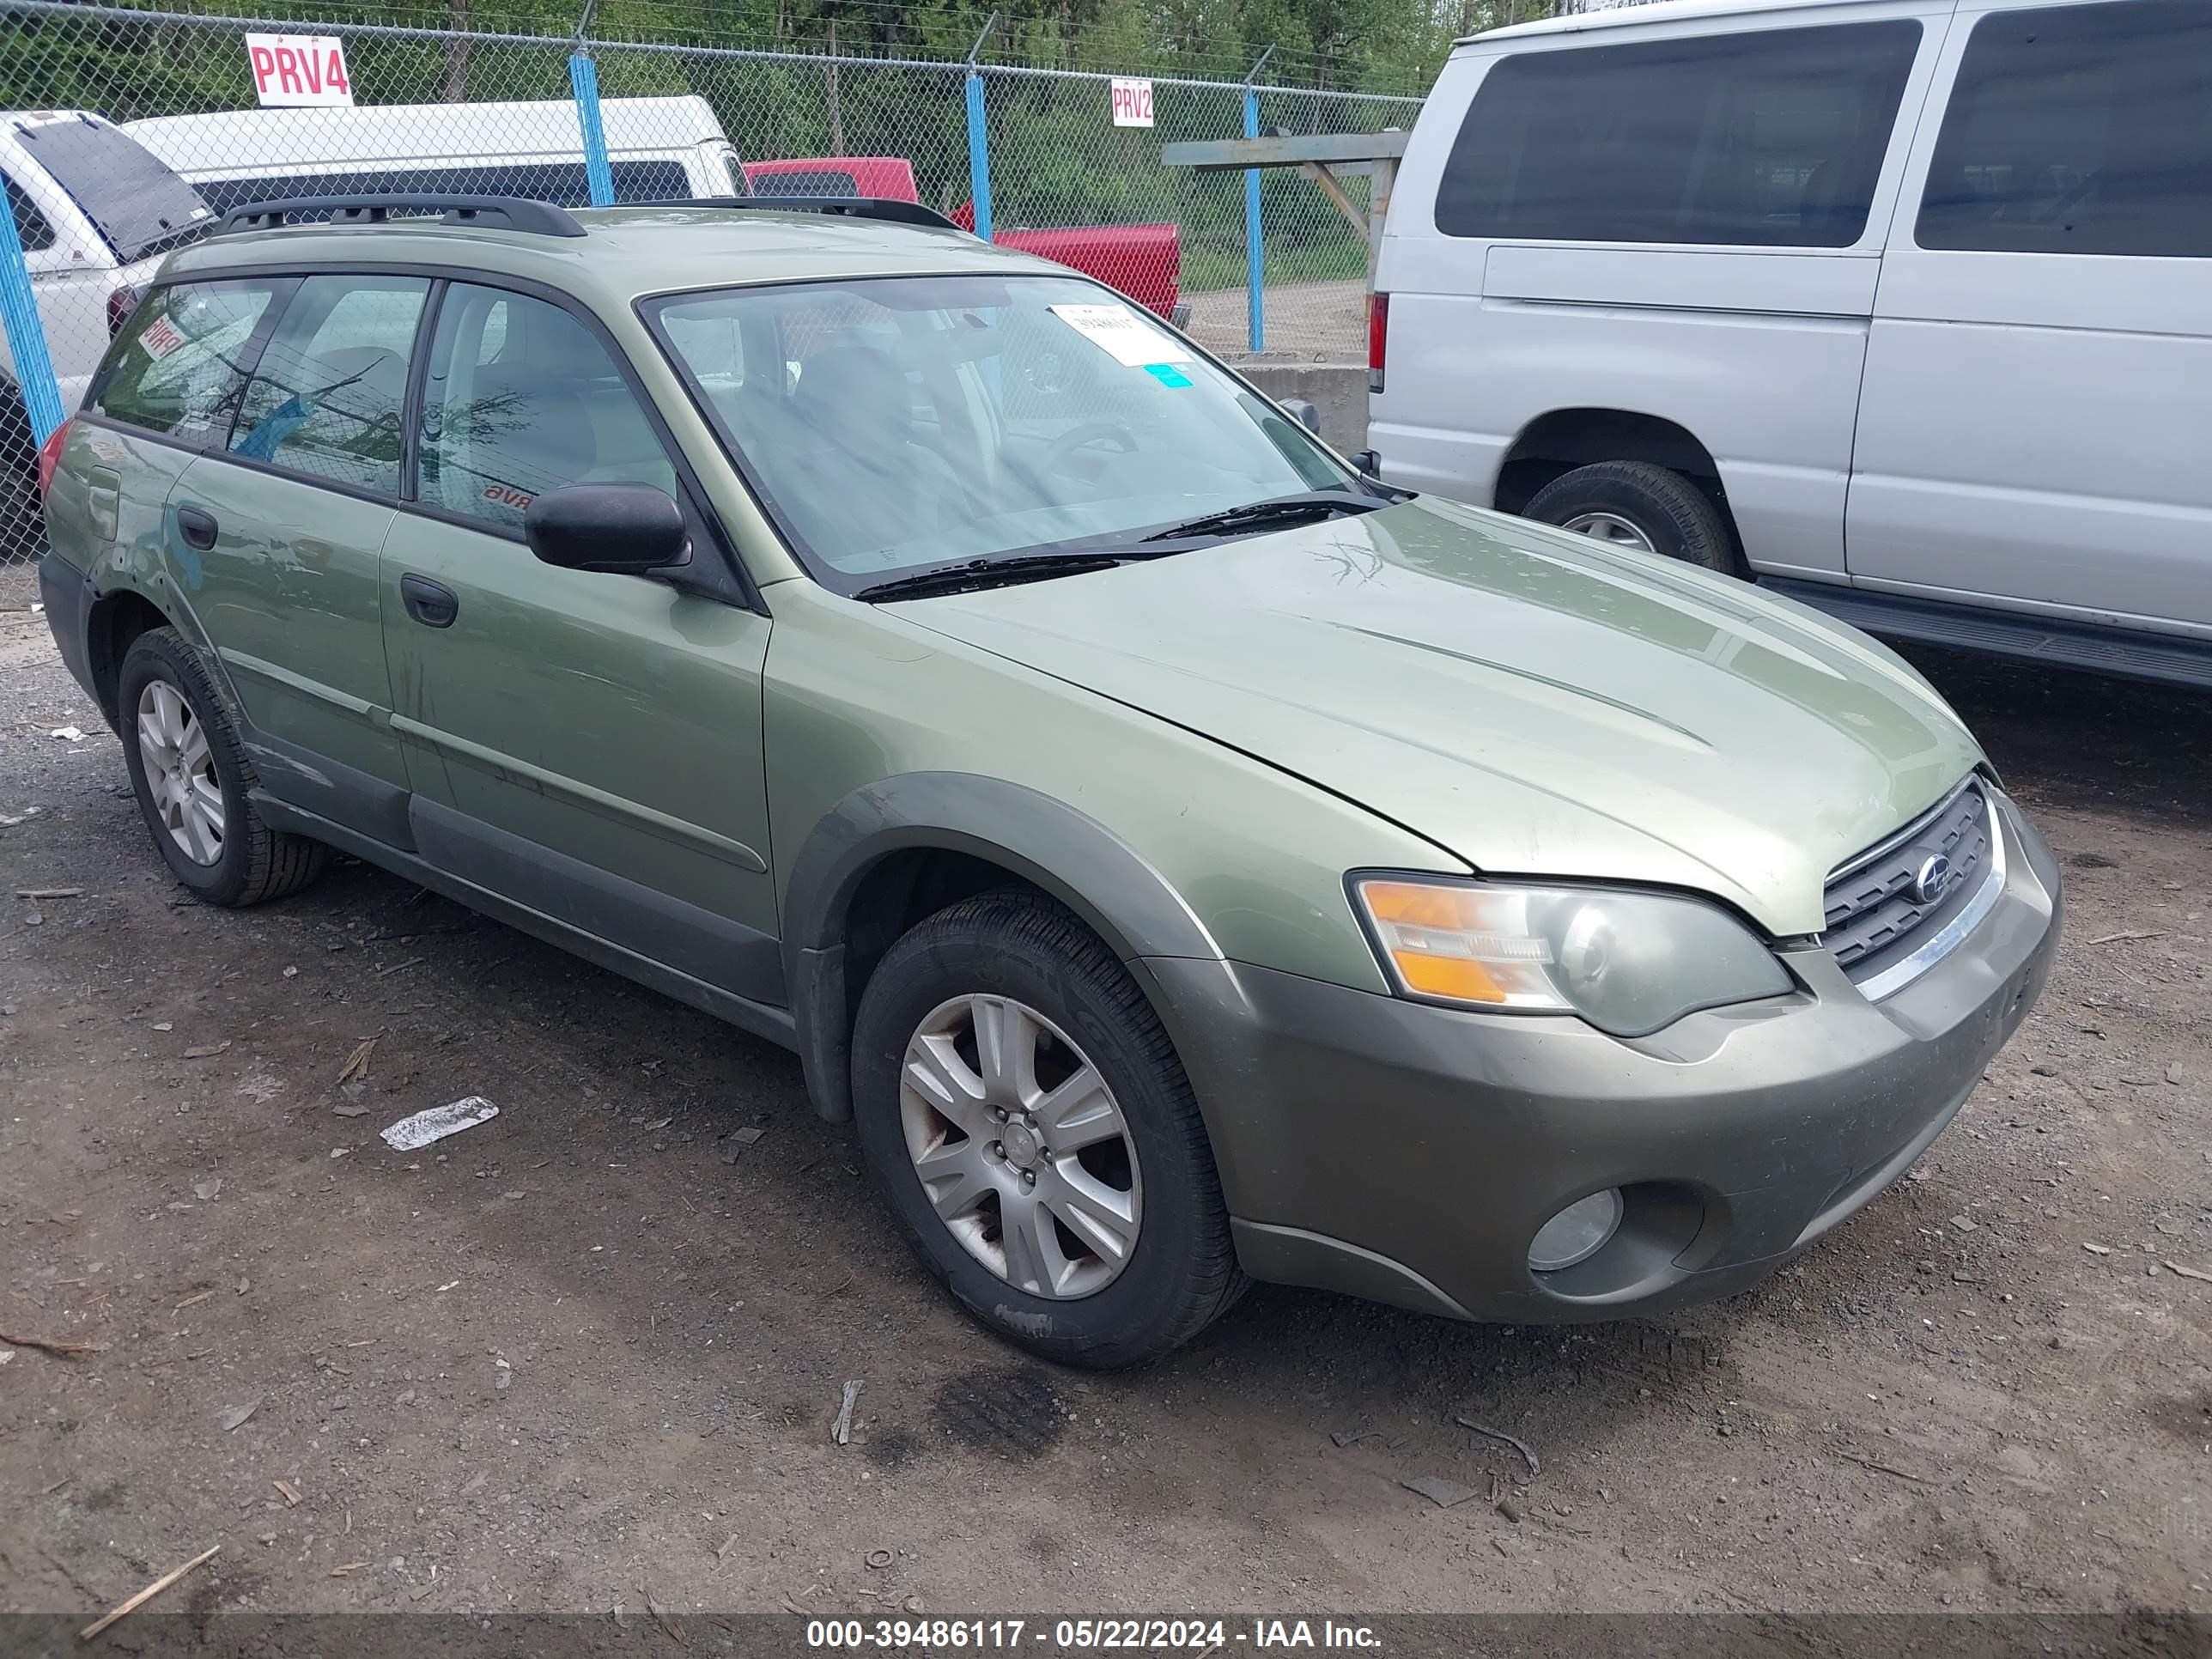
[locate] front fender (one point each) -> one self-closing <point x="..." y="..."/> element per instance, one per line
<point x="1117" y="893"/>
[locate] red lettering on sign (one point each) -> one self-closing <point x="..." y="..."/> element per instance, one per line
<point x="265" y="65"/>
<point x="334" y="75"/>
<point x="288" y="69"/>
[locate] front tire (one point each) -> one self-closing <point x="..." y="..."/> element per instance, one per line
<point x="1636" y="505"/>
<point x="1023" y="1114"/>
<point x="194" y="780"/>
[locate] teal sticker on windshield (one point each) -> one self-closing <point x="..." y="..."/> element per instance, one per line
<point x="1167" y="374"/>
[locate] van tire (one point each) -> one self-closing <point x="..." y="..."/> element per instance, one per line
<point x="1670" y="513"/>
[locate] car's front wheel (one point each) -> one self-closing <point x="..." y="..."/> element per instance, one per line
<point x="1024" y="1116"/>
<point x="1634" y="504"/>
<point x="192" y="779"/>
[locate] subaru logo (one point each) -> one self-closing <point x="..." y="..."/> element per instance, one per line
<point x="1929" y="880"/>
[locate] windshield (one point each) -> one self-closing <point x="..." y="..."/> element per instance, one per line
<point x="135" y="202"/>
<point x="895" y="424"/>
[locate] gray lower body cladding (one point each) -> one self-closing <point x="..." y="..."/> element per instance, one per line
<point x="1410" y="1154"/>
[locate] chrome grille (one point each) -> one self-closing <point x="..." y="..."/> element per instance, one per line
<point x="1875" y="913"/>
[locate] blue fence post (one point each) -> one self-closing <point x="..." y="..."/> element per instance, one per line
<point x="1255" y="250"/>
<point x="979" y="136"/>
<point x="27" y="336"/>
<point x="584" y="78"/>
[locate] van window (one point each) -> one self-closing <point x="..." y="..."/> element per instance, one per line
<point x="520" y="398"/>
<point x="32" y="226"/>
<point x="561" y="182"/>
<point x="178" y="367"/>
<point x="1771" y="138"/>
<point x="2078" y="129"/>
<point x="326" y="394"/>
<point x="137" y="205"/>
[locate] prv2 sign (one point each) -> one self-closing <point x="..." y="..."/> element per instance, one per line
<point x="294" y="72"/>
<point x="1132" y="103"/>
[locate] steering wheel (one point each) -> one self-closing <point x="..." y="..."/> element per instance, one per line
<point x="1091" y="432"/>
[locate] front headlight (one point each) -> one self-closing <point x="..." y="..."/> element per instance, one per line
<point x="1627" y="962"/>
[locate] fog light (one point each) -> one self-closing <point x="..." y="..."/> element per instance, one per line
<point x="1578" y="1232"/>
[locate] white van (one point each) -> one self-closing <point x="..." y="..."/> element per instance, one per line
<point x="658" y="149"/>
<point x="95" y="213"/>
<point x="1904" y="306"/>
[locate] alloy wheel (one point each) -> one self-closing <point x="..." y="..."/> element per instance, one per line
<point x="1610" y="529"/>
<point x="179" y="767"/>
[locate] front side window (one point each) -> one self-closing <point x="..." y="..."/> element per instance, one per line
<point x="899" y="423"/>
<point x="520" y="398"/>
<point x="2078" y="129"/>
<point x="1766" y="138"/>
<point x="178" y="367"/>
<point x="327" y="393"/>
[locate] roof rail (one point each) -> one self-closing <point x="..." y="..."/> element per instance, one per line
<point x="491" y="212"/>
<point x="853" y="207"/>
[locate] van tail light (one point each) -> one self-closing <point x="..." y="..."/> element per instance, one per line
<point x="1378" y="337"/>
<point x="120" y="304"/>
<point x="50" y="455"/>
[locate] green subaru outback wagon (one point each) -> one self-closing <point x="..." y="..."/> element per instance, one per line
<point x="1184" y="858"/>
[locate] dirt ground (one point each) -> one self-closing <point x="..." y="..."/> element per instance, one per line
<point x="589" y="1353"/>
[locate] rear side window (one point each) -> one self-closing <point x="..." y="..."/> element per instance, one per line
<point x="326" y="395"/>
<point x="2078" y="129"/>
<point x="561" y="182"/>
<point x="809" y="181"/>
<point x="520" y="398"/>
<point x="1768" y="138"/>
<point x="138" y="205"/>
<point x="32" y="226"/>
<point x="178" y="367"/>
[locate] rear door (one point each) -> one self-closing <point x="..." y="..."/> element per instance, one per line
<point x="282" y="528"/>
<point x="2038" y="381"/>
<point x="586" y="745"/>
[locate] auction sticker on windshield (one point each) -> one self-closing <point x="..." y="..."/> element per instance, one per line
<point x="1118" y="333"/>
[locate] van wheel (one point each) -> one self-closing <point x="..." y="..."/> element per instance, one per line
<point x="1634" y="504"/>
<point x="1024" y="1116"/>
<point x="194" y="780"/>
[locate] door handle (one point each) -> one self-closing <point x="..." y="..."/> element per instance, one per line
<point x="197" y="527"/>
<point x="429" y="603"/>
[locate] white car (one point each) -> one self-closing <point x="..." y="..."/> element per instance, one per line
<point x="1902" y="307"/>
<point x="658" y="148"/>
<point x="95" y="213"/>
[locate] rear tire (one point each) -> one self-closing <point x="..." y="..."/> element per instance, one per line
<point x="1636" y="505"/>
<point x="1123" y="1153"/>
<point x="194" y="783"/>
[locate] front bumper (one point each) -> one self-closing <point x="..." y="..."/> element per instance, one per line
<point x="1409" y="1153"/>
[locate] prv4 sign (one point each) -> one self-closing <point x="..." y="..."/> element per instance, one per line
<point x="1132" y="103"/>
<point x="294" y="72"/>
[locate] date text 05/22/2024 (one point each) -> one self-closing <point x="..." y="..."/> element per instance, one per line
<point x="1198" y="1635"/>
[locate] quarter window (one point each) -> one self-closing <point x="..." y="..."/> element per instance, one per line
<point x="2078" y="129"/>
<point x="326" y="396"/>
<point x="521" y="398"/>
<point x="178" y="367"/>
<point x="1771" y="138"/>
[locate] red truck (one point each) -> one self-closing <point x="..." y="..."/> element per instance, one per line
<point x="1143" y="261"/>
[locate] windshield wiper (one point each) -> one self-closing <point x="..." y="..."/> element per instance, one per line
<point x="1277" y="513"/>
<point x="973" y="574"/>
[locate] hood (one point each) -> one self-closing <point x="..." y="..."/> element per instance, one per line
<point x="1534" y="702"/>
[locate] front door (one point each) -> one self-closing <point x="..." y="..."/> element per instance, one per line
<point x="2038" y="378"/>
<point x="586" y="745"/>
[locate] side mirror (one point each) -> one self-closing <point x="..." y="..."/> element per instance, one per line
<point x="629" y="528"/>
<point x="1303" y="412"/>
<point x="1368" y="462"/>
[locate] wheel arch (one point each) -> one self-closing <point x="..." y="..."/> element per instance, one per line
<point x="893" y="852"/>
<point x="1561" y="439"/>
<point x="110" y="624"/>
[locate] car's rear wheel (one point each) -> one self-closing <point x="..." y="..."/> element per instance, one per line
<point x="194" y="780"/>
<point x="1024" y="1115"/>
<point x="1634" y="504"/>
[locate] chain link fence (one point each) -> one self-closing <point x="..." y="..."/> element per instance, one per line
<point x="98" y="203"/>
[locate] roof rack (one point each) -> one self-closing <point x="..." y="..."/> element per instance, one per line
<point x="852" y="207"/>
<point x="490" y="212"/>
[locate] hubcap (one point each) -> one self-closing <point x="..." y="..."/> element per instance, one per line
<point x="1610" y="528"/>
<point x="173" y="747"/>
<point x="1020" y="1146"/>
